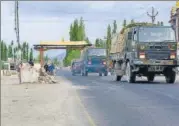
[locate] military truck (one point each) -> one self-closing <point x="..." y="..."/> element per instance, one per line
<point x="93" y="60"/>
<point x="144" y="49"/>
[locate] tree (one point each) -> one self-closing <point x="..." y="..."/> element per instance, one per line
<point x="27" y="52"/>
<point x="81" y="30"/>
<point x="114" y="27"/>
<point x="4" y="51"/>
<point x="132" y="21"/>
<point x="24" y="50"/>
<point x="10" y="51"/>
<point x="31" y="53"/>
<point x="77" y="33"/>
<point x="108" y="41"/>
<point x="87" y="40"/>
<point x="46" y="58"/>
<point x="161" y="23"/>
<point x="158" y="23"/>
<point x="97" y="44"/>
<point x="55" y="61"/>
<point x="124" y="23"/>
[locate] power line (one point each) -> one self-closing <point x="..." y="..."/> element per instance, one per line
<point x="153" y="15"/>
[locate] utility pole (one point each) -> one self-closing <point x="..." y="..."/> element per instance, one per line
<point x="153" y="15"/>
<point x="17" y="28"/>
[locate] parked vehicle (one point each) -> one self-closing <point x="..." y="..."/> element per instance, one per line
<point x="93" y="60"/>
<point x="75" y="67"/>
<point x="144" y="49"/>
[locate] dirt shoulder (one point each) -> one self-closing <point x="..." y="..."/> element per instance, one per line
<point x="40" y="104"/>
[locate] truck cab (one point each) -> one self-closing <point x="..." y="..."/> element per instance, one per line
<point x="94" y="61"/>
<point x="148" y="51"/>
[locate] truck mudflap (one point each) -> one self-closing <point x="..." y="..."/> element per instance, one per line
<point x="156" y="62"/>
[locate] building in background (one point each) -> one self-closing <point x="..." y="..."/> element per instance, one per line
<point x="175" y="19"/>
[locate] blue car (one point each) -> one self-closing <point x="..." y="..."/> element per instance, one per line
<point x="94" y="61"/>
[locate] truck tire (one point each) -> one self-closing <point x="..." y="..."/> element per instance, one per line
<point x="118" y="78"/>
<point x="73" y="74"/>
<point x="170" y="77"/>
<point x="106" y="74"/>
<point x="86" y="73"/>
<point x="82" y="73"/>
<point x="150" y="78"/>
<point x="131" y="77"/>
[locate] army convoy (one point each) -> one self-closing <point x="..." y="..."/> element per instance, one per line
<point x="144" y="49"/>
<point x="139" y="49"/>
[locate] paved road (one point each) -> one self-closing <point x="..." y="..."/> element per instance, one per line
<point x="112" y="103"/>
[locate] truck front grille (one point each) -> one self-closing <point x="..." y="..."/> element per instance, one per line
<point x="158" y="55"/>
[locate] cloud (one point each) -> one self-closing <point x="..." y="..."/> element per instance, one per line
<point x="50" y="20"/>
<point x="100" y="5"/>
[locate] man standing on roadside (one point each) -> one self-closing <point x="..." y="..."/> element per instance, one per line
<point x="19" y="67"/>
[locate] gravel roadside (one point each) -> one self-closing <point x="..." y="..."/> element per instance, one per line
<point x="41" y="104"/>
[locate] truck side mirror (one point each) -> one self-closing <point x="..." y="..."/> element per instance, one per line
<point x="129" y="35"/>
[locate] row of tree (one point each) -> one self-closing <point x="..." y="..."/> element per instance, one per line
<point x="10" y="51"/>
<point x="77" y="33"/>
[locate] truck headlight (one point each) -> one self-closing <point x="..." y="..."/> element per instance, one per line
<point x="142" y="55"/>
<point x="172" y="56"/>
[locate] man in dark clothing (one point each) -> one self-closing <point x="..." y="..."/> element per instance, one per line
<point x="31" y="62"/>
<point x="46" y="67"/>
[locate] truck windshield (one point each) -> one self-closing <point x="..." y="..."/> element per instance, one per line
<point x="160" y="34"/>
<point x="96" y="52"/>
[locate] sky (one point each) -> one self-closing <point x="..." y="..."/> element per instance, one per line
<point x="50" y="20"/>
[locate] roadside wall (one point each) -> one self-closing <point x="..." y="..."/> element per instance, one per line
<point x="29" y="74"/>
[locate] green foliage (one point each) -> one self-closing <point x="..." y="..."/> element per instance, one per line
<point x="4" y="51"/>
<point x="99" y="43"/>
<point x="132" y="21"/>
<point x="108" y="41"/>
<point x="87" y="40"/>
<point x="46" y="58"/>
<point x="114" y="27"/>
<point x="161" y="23"/>
<point x="124" y="23"/>
<point x="77" y="33"/>
<point x="31" y="54"/>
<point x="10" y="51"/>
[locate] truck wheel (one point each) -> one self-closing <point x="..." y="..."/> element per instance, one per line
<point x="82" y="73"/>
<point x="106" y="74"/>
<point x="86" y="73"/>
<point x="131" y="77"/>
<point x="118" y="78"/>
<point x="170" y="78"/>
<point x="150" y="78"/>
<point x="73" y="74"/>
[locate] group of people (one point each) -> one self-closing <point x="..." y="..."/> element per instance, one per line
<point x="49" y="68"/>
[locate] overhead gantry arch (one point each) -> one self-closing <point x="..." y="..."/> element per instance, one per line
<point x="44" y="46"/>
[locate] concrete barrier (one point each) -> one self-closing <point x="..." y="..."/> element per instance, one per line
<point x="29" y="74"/>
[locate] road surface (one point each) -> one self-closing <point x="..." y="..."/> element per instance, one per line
<point x="109" y="103"/>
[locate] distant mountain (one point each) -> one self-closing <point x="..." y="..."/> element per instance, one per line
<point x="61" y="56"/>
